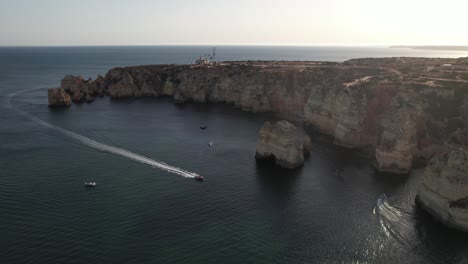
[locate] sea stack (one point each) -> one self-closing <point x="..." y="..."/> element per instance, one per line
<point x="280" y="142"/>
<point x="58" y="97"/>
<point x="443" y="191"/>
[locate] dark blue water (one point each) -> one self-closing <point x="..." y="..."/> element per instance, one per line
<point x="244" y="213"/>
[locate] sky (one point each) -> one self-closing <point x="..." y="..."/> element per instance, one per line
<point x="233" y="22"/>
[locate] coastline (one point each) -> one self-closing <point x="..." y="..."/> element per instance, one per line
<point x="393" y="105"/>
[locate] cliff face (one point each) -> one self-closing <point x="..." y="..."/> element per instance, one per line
<point x="461" y="134"/>
<point x="399" y="135"/>
<point x="266" y="88"/>
<point x="280" y="141"/>
<point x="339" y="111"/>
<point x="443" y="191"/>
<point x="404" y="117"/>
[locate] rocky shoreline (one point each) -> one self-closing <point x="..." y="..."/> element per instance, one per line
<point x="443" y="190"/>
<point x="406" y="110"/>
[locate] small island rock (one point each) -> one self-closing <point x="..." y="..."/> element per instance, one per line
<point x="280" y="141"/>
<point x="58" y="97"/>
<point x="443" y="191"/>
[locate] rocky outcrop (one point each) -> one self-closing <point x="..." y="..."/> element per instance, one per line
<point x="89" y="98"/>
<point x="84" y="90"/>
<point x="443" y="190"/>
<point x="72" y="84"/>
<point x="58" y="97"/>
<point x="280" y="142"/>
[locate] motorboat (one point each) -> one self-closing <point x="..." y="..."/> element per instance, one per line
<point x="203" y="127"/>
<point x="199" y="178"/>
<point x="90" y="184"/>
<point x="210" y="144"/>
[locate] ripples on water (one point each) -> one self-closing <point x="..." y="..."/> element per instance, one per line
<point x="101" y="146"/>
<point x="244" y="212"/>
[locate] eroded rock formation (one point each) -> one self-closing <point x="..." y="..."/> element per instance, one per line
<point x="84" y="90"/>
<point x="280" y="142"/>
<point x="58" y="97"/>
<point x="443" y="190"/>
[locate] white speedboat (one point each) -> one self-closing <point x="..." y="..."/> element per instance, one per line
<point x="210" y="144"/>
<point x="199" y="178"/>
<point x="90" y="184"/>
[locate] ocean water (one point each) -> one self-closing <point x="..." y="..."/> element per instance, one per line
<point x="142" y="153"/>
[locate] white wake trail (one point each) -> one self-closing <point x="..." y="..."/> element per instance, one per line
<point x="103" y="147"/>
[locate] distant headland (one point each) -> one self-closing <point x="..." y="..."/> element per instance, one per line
<point x="428" y="47"/>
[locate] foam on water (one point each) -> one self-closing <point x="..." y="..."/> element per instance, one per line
<point x="395" y="223"/>
<point x="101" y="146"/>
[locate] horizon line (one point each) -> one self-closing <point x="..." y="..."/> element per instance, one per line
<point x="234" y="45"/>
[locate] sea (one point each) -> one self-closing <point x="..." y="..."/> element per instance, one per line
<point x="143" y="155"/>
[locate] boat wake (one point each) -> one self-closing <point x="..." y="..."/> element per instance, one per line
<point x="395" y="222"/>
<point x="101" y="146"/>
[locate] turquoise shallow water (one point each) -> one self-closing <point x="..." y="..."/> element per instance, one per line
<point x="244" y="212"/>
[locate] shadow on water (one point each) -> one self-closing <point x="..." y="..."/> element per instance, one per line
<point x="433" y="236"/>
<point x="279" y="181"/>
<point x="205" y="109"/>
<point x="389" y="180"/>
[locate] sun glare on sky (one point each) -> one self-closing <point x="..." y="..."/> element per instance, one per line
<point x="271" y="22"/>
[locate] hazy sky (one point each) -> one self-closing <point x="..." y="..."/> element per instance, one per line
<point x="273" y="22"/>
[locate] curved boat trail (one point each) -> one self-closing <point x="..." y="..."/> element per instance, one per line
<point x="101" y="146"/>
<point x="395" y="222"/>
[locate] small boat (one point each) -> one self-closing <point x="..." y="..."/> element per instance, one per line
<point x="199" y="178"/>
<point x="210" y="144"/>
<point x="203" y="127"/>
<point x="90" y="184"/>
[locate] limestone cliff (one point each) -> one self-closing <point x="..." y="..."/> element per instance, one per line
<point x="338" y="111"/>
<point x="362" y="103"/>
<point x="280" y="142"/>
<point x="443" y="190"/>
<point x="58" y="97"/>
<point x="398" y="137"/>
